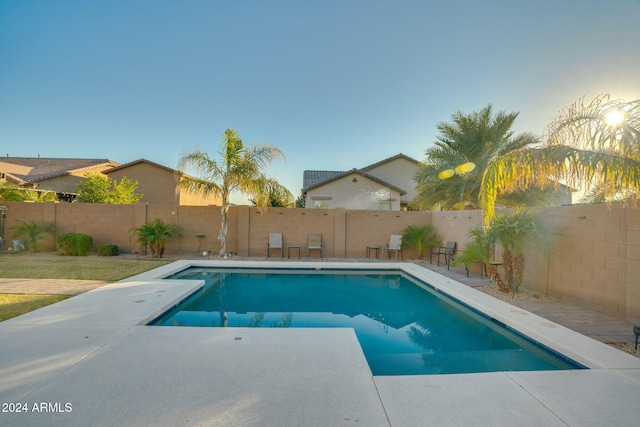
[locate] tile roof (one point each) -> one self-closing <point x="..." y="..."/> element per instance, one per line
<point x="136" y="162"/>
<point x="397" y="156"/>
<point x="311" y="178"/>
<point x="149" y="162"/>
<point x="338" y="175"/>
<point x="34" y="169"/>
<point x="314" y="178"/>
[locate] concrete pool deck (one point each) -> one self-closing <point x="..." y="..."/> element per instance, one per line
<point x="94" y="353"/>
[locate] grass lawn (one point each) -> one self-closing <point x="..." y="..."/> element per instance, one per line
<point x="12" y="305"/>
<point x="51" y="266"/>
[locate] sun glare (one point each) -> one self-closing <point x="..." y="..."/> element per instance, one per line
<point x="614" y="117"/>
<point x="446" y="174"/>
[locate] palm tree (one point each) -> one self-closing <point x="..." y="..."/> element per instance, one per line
<point x="154" y="234"/>
<point x="479" y="248"/>
<point x="420" y="237"/>
<point x="593" y="147"/>
<point x="33" y="231"/>
<point x="278" y="197"/>
<point x="513" y="232"/>
<point x="18" y="194"/>
<point x="241" y="169"/>
<point x="471" y="140"/>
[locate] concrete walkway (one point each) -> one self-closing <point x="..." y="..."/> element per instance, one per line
<point x="90" y="360"/>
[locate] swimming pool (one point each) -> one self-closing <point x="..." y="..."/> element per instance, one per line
<point x="404" y="326"/>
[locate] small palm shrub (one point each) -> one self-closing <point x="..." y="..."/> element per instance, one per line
<point x="33" y="231"/>
<point x="479" y="248"/>
<point x="108" y="250"/>
<point x="514" y="232"/>
<point x="154" y="234"/>
<point x="74" y="244"/>
<point x="420" y="237"/>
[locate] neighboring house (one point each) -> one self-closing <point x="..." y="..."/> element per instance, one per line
<point x="158" y="184"/>
<point x="59" y="175"/>
<point x="385" y="185"/>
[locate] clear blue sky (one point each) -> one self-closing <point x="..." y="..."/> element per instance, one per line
<point x="336" y="84"/>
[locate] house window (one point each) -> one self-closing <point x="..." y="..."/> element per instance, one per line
<point x="385" y="206"/>
<point x="321" y="202"/>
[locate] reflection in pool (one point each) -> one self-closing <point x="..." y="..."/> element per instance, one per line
<point x="404" y="328"/>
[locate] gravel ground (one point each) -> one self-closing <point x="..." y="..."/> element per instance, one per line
<point x="627" y="347"/>
<point x="527" y="296"/>
<point x="518" y="296"/>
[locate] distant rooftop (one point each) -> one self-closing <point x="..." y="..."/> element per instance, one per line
<point x="311" y="178"/>
<point x="33" y="169"/>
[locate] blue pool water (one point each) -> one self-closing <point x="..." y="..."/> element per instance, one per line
<point x="403" y="328"/>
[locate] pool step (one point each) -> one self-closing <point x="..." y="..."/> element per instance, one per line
<point x="457" y="362"/>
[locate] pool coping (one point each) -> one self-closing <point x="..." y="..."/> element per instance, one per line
<point x="94" y="351"/>
<point x="580" y="348"/>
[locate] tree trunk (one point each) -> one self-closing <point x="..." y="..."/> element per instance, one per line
<point x="494" y="275"/>
<point x="223" y="228"/>
<point x="507" y="260"/>
<point x="518" y="271"/>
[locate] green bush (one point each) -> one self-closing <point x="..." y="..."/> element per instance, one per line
<point x="74" y="244"/>
<point x="420" y="237"/>
<point x="108" y="250"/>
<point x="33" y="231"/>
<point x="154" y="234"/>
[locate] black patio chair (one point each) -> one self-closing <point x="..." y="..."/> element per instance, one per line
<point x="448" y="251"/>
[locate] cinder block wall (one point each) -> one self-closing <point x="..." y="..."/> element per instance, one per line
<point x="596" y="259"/>
<point x="108" y="224"/>
<point x="373" y="228"/>
<point x="26" y="212"/>
<point x="295" y="226"/>
<point x="195" y="221"/>
<point x="455" y="225"/>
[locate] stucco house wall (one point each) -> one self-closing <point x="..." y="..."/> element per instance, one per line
<point x="400" y="172"/>
<point x="353" y="191"/>
<point x="59" y="175"/>
<point x="157" y="184"/>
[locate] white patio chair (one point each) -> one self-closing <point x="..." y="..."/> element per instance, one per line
<point x="394" y="245"/>
<point x="314" y="242"/>
<point x="275" y="242"/>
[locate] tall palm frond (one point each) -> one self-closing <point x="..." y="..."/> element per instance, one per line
<point x="420" y="237"/>
<point x="582" y="150"/>
<point x="12" y="193"/>
<point x="478" y="138"/>
<point x="269" y="192"/>
<point x="590" y="126"/>
<point x="479" y="247"/>
<point x="154" y="234"/>
<point x="597" y="195"/>
<point x="239" y="169"/>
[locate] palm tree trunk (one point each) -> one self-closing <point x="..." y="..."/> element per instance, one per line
<point x="223" y="228"/>
<point x="507" y="259"/>
<point x="494" y="275"/>
<point x="518" y="271"/>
